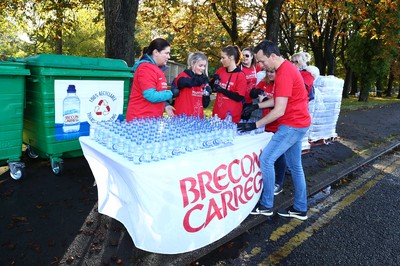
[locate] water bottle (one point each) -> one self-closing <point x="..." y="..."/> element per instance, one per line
<point x="115" y="141"/>
<point x="126" y="147"/>
<point x="164" y="148"/>
<point x="130" y="151"/>
<point x="231" y="133"/>
<point x="205" y="91"/>
<point x="228" y="117"/>
<point x="147" y="151"/>
<point x="137" y="154"/>
<point x="92" y="132"/>
<point x="71" y="111"/>
<point x="156" y="151"/>
<point x="121" y="143"/>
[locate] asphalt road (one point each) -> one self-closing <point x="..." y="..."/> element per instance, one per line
<point x="356" y="224"/>
<point x="53" y="220"/>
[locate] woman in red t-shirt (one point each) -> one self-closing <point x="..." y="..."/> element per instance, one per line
<point x="248" y="66"/>
<point x="149" y="93"/>
<point x="230" y="84"/>
<point x="192" y="83"/>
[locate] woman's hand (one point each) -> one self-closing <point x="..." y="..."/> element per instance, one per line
<point x="170" y="110"/>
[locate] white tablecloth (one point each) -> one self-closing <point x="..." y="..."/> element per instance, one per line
<point x="182" y="203"/>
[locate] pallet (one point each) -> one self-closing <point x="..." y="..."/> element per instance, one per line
<point x="323" y="141"/>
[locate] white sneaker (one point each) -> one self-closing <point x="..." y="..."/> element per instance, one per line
<point x="278" y="189"/>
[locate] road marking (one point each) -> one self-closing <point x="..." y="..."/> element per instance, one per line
<point x="378" y="173"/>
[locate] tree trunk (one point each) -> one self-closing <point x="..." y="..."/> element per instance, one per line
<point x="364" y="92"/>
<point x="379" y="87"/>
<point x="354" y="84"/>
<point x="58" y="38"/>
<point x="120" y="20"/>
<point x="389" y="88"/>
<point x="273" y="10"/>
<point x="58" y="43"/>
<point x="347" y="83"/>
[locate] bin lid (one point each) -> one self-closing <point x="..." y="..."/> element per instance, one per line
<point x="13" y="68"/>
<point x="76" y="62"/>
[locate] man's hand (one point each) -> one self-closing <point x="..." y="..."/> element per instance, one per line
<point x="249" y="109"/>
<point x="244" y="127"/>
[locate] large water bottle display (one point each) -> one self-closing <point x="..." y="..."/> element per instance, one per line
<point x="153" y="139"/>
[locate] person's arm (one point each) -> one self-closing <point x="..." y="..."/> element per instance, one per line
<point x="278" y="111"/>
<point x="266" y="104"/>
<point x="230" y="94"/>
<point x="189" y="82"/>
<point x="154" y="96"/>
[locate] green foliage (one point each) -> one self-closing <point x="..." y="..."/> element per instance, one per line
<point x="364" y="33"/>
<point x="87" y="36"/>
<point x="10" y="45"/>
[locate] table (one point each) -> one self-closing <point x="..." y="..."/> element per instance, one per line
<point x="182" y="203"/>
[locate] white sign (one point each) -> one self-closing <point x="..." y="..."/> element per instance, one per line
<point x="80" y="103"/>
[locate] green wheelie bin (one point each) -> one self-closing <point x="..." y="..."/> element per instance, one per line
<point x="12" y="93"/>
<point x="64" y="96"/>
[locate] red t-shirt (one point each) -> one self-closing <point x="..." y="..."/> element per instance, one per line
<point x="189" y="101"/>
<point x="289" y="83"/>
<point x="308" y="79"/>
<point x="268" y="89"/>
<point x="251" y="79"/>
<point x="223" y="104"/>
<point x="147" y="76"/>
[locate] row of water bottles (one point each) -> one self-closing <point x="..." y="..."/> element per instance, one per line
<point x="154" y="139"/>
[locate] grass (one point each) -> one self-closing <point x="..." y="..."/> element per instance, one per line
<point x="352" y="102"/>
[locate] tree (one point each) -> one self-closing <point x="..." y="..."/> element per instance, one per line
<point x="229" y="12"/>
<point x="372" y="48"/>
<point x="273" y="11"/>
<point x="120" y="21"/>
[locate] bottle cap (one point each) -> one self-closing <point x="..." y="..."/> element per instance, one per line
<point x="71" y="89"/>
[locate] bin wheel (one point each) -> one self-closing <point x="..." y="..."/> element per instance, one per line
<point x="57" y="166"/>
<point x="17" y="170"/>
<point x="31" y="154"/>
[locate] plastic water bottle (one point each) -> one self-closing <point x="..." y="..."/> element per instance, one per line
<point x="115" y="141"/>
<point x="147" y="152"/>
<point x="205" y="91"/>
<point x="137" y="153"/>
<point x="156" y="151"/>
<point x="92" y="132"/>
<point x="228" y="117"/>
<point x="130" y="151"/>
<point x="121" y="143"/>
<point x="71" y="111"/>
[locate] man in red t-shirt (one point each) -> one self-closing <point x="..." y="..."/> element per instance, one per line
<point x="290" y="110"/>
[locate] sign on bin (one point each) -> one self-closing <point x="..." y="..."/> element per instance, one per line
<point x="81" y="103"/>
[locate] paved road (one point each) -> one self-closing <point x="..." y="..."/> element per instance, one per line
<point x="50" y="220"/>
<point x="357" y="224"/>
